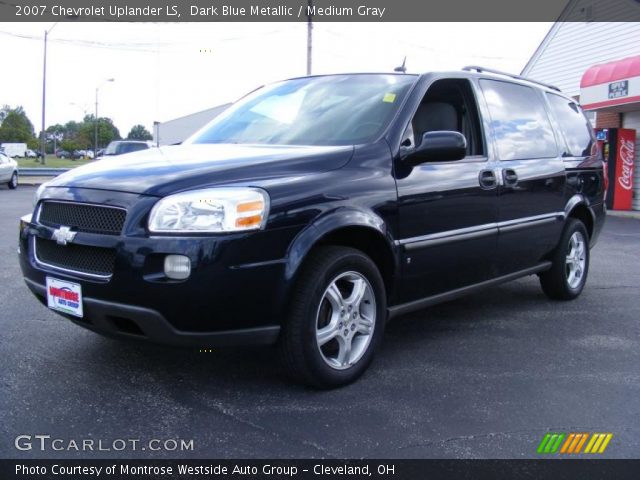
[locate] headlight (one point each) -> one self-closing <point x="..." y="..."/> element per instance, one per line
<point x="39" y="193"/>
<point x="211" y="210"/>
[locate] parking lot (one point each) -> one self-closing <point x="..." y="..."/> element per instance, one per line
<point x="485" y="376"/>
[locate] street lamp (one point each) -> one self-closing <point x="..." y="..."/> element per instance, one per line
<point x="43" y="140"/>
<point x="95" y="150"/>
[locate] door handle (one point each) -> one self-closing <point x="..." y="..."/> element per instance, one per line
<point x="487" y="179"/>
<point x="510" y="177"/>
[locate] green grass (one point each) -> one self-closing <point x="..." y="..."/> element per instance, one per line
<point x="51" y="162"/>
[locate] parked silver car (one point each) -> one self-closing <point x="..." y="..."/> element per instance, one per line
<point x="8" y="171"/>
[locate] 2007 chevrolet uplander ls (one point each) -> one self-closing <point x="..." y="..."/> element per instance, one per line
<point x="314" y="209"/>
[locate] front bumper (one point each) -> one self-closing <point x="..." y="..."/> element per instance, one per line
<point x="119" y="320"/>
<point x="235" y="294"/>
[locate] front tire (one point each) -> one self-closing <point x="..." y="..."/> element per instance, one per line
<point x="13" y="183"/>
<point x="568" y="274"/>
<point x="336" y="318"/>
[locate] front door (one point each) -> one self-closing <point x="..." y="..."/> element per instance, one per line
<point x="447" y="210"/>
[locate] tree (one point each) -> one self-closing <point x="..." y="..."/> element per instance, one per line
<point x="16" y="126"/>
<point x="138" y="132"/>
<point x="70" y="145"/>
<point x="107" y="131"/>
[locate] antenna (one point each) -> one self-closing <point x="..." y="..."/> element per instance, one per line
<point x="309" y="36"/>
<point x="402" y="68"/>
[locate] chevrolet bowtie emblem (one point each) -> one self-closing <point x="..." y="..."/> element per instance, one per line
<point x="63" y="235"/>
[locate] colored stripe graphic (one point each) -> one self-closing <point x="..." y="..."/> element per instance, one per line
<point x="583" y="439"/>
<point x="598" y="443"/>
<point x="551" y="442"/>
<point x="573" y="443"/>
<point x="565" y="447"/>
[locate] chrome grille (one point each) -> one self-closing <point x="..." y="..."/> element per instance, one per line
<point x="82" y="217"/>
<point x="77" y="258"/>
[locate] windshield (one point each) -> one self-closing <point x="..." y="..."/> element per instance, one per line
<point x="331" y="110"/>
<point x="111" y="148"/>
<point x="119" y="148"/>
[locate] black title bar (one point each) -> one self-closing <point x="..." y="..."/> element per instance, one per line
<point x="319" y="469"/>
<point x="319" y="10"/>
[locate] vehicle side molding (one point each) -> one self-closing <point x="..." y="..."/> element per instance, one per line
<point x="409" y="307"/>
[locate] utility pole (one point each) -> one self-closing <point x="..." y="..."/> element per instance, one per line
<point x="43" y="139"/>
<point x="309" y="36"/>
<point x="95" y="123"/>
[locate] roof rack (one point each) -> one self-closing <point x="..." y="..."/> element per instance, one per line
<point x="512" y="75"/>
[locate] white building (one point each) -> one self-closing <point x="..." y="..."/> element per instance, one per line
<point x="585" y="58"/>
<point x="179" y="129"/>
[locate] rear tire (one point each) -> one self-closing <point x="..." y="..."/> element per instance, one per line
<point x="568" y="274"/>
<point x="13" y="183"/>
<point x="336" y="318"/>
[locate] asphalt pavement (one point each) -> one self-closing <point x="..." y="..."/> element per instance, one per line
<point x="486" y="376"/>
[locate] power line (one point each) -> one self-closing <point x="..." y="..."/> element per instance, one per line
<point x="88" y="43"/>
<point x="148" y="47"/>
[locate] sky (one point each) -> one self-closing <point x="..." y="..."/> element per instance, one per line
<point x="162" y="71"/>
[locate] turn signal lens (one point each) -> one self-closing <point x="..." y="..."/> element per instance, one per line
<point x="252" y="221"/>
<point x="257" y="206"/>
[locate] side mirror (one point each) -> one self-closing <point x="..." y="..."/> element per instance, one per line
<point x="439" y="146"/>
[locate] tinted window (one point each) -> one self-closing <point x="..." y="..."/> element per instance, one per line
<point x="131" y="147"/>
<point x="519" y="121"/>
<point x="330" y="110"/>
<point x="573" y="124"/>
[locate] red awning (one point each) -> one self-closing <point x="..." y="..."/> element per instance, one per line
<point x="611" y="72"/>
<point x="611" y="85"/>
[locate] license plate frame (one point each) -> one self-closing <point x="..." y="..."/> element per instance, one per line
<point x="64" y="296"/>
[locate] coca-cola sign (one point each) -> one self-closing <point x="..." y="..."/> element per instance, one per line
<point x="625" y="157"/>
<point x="626" y="153"/>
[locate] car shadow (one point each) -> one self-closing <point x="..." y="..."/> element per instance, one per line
<point x="257" y="368"/>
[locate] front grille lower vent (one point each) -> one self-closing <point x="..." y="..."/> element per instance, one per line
<point x="82" y="217"/>
<point x="78" y="258"/>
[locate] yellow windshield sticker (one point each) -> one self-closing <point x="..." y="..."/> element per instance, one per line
<point x="389" y="97"/>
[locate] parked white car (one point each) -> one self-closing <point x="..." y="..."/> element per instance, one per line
<point x="31" y="154"/>
<point x="8" y="171"/>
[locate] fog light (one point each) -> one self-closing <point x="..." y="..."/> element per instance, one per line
<point x="177" y="267"/>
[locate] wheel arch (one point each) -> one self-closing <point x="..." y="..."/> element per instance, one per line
<point x="578" y="208"/>
<point x="364" y="231"/>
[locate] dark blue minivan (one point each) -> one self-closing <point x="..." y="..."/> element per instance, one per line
<point x="315" y="209"/>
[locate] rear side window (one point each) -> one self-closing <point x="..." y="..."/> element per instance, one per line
<point x="131" y="147"/>
<point x="519" y="121"/>
<point x="573" y="124"/>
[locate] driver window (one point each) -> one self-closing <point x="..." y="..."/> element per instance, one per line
<point x="449" y="104"/>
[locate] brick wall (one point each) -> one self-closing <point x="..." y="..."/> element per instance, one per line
<point x="608" y="120"/>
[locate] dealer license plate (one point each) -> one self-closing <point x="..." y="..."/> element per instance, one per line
<point x="64" y="296"/>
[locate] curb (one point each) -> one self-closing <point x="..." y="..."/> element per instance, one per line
<point x="624" y="213"/>
<point x="33" y="181"/>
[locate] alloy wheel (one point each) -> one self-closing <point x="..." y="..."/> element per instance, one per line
<point x="345" y="320"/>
<point x="575" y="260"/>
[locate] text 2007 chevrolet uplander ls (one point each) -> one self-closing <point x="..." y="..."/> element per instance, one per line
<point x="316" y="208"/>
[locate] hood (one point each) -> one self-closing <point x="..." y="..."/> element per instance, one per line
<point x="166" y="170"/>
